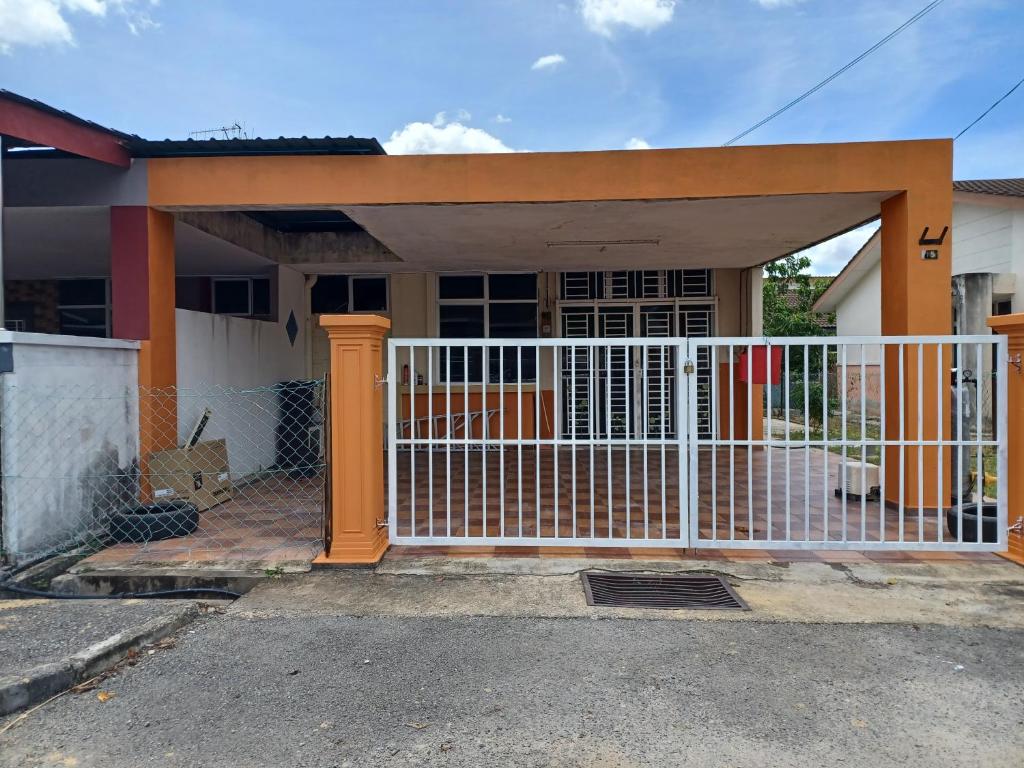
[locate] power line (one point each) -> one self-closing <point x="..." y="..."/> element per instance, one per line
<point x="997" y="102"/>
<point x="920" y="14"/>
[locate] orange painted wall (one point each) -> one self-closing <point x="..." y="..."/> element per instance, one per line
<point x="158" y="400"/>
<point x="915" y="301"/>
<point x="740" y="400"/>
<point x="161" y="368"/>
<point x="543" y="176"/>
<point x="1013" y="327"/>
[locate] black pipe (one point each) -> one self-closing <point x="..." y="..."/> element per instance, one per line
<point x="227" y="593"/>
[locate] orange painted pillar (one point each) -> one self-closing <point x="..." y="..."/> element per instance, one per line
<point x="740" y="399"/>
<point x="1013" y="327"/>
<point x="355" y="526"/>
<point x="142" y="308"/>
<point x="916" y="301"/>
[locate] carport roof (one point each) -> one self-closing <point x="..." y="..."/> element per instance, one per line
<point x="136" y="146"/>
<point x="40" y="106"/>
<point x="302" y="145"/>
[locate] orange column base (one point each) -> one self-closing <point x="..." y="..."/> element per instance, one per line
<point x="355" y="463"/>
<point x="1012" y="326"/>
<point x="354" y="550"/>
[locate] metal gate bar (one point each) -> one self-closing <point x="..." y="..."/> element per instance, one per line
<point x="603" y="472"/>
<point x="857" y="480"/>
<point x="843" y="458"/>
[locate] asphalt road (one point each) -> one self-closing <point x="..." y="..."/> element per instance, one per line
<point x="40" y="631"/>
<point x="340" y="691"/>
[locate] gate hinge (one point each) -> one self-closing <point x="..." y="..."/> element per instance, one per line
<point x="689" y="367"/>
<point x="1017" y="527"/>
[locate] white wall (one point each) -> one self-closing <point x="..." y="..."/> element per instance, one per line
<point x="990" y="238"/>
<point x="859" y="313"/>
<point x="227" y="363"/>
<point x="982" y="238"/>
<point x="237" y="351"/>
<point x="70" y="438"/>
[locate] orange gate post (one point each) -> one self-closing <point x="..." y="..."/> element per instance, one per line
<point x="1012" y="326"/>
<point x="356" y="464"/>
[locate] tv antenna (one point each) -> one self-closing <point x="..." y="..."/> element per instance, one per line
<point x="234" y="131"/>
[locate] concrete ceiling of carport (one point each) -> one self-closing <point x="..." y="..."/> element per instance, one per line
<point x="719" y="232"/>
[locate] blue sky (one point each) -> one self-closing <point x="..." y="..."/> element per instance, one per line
<point x="486" y="75"/>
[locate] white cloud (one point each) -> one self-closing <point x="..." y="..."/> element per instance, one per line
<point x="501" y="119"/>
<point x="442" y="138"/>
<point x="637" y="143"/>
<point x="47" y="22"/>
<point x="603" y="16"/>
<point x="463" y="116"/>
<point x="830" y="257"/>
<point x="548" y="62"/>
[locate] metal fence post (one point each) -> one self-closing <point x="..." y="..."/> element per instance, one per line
<point x="358" y="533"/>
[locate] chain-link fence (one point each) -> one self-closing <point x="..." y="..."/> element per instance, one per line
<point x="170" y="475"/>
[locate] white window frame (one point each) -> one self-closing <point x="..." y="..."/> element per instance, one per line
<point x="105" y="306"/>
<point x="486" y="301"/>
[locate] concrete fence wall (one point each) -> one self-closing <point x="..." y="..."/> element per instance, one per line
<point x="69" y="432"/>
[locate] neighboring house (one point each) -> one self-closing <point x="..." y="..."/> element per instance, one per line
<point x="988" y="274"/>
<point x="586" y="309"/>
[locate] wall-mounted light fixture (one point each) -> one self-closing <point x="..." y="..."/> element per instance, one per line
<point x="925" y="240"/>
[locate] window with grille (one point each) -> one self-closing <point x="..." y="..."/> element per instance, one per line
<point x="636" y="284"/>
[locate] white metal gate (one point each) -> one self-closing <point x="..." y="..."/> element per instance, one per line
<point x="814" y="443"/>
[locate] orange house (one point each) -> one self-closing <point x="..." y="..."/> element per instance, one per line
<point x="529" y="265"/>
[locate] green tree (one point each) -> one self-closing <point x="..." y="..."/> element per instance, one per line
<point x="788" y="297"/>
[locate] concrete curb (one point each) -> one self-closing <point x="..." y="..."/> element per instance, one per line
<point x="45" y="680"/>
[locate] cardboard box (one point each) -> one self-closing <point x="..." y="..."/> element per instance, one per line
<point x="198" y="474"/>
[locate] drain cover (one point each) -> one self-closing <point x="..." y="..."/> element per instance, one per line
<point x="646" y="590"/>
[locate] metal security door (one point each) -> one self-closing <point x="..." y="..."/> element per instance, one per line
<point x="626" y="391"/>
<point x="656" y="372"/>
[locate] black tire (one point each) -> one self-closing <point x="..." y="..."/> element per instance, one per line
<point x="154" y="522"/>
<point x="989" y="522"/>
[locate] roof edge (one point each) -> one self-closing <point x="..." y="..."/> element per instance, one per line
<point x="838" y="288"/>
